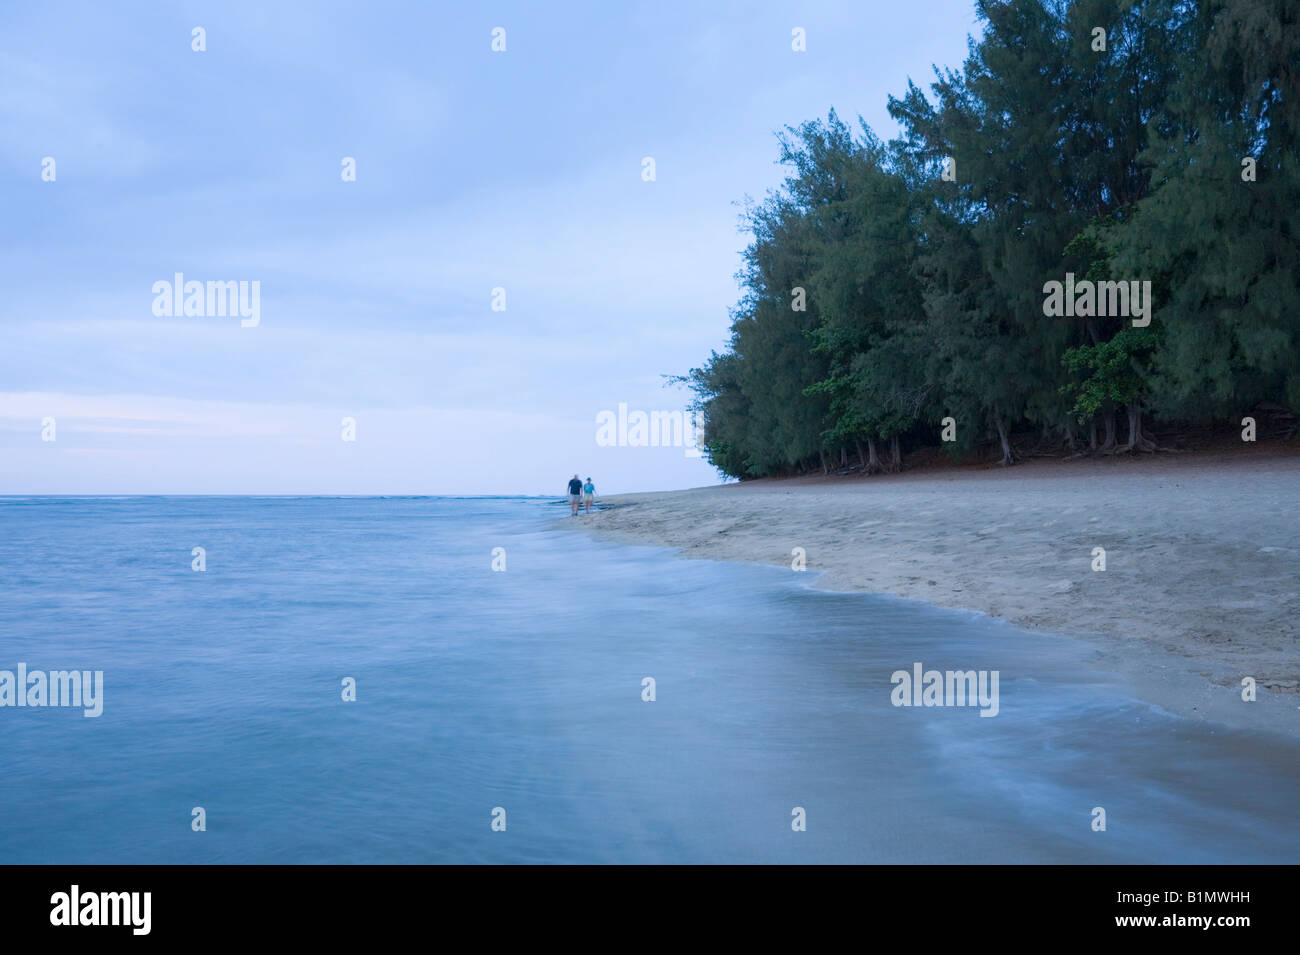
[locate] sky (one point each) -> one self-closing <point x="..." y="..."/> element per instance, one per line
<point x="476" y="170"/>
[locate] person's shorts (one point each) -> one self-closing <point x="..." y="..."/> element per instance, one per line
<point x="574" y="498"/>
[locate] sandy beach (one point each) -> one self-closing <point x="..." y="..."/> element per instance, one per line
<point x="1202" y="558"/>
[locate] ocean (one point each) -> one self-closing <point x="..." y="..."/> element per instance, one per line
<point x="502" y="715"/>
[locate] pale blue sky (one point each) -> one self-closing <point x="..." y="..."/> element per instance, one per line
<point x="475" y="170"/>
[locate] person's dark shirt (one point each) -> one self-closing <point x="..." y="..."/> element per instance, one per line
<point x="575" y="486"/>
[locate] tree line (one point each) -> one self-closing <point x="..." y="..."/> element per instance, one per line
<point x="894" y="293"/>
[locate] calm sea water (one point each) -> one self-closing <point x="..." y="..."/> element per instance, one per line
<point x="522" y="690"/>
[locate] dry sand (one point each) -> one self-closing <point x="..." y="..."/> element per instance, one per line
<point x="1202" y="558"/>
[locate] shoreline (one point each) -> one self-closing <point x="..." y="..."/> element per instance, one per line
<point x="1201" y="586"/>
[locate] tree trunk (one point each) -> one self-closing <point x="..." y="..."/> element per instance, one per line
<point x="844" y="456"/>
<point x="826" y="468"/>
<point x="1092" y="433"/>
<point x="1070" y="443"/>
<point x="895" y="455"/>
<point x="1137" y="441"/>
<point x="1108" y="416"/>
<point x="873" y="462"/>
<point x="862" y="455"/>
<point x="1008" y="456"/>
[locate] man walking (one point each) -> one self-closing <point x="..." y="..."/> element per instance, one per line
<point x="575" y="495"/>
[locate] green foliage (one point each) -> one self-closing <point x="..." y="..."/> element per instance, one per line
<point x="1113" y="370"/>
<point x="924" y="293"/>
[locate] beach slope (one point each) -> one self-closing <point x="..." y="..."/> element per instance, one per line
<point x="1202" y="558"/>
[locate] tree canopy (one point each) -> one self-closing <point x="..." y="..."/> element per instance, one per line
<point x="1123" y="145"/>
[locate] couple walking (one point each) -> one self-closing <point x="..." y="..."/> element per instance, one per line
<point x="579" y="492"/>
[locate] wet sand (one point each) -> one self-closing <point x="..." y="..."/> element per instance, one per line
<point x="1201" y="586"/>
